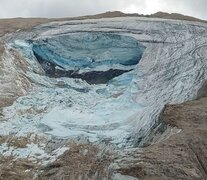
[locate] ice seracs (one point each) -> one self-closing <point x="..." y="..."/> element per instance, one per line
<point x="88" y="50"/>
<point x="94" y="57"/>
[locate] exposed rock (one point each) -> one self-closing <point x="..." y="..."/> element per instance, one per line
<point x="93" y="77"/>
<point x="81" y="161"/>
<point x="16" y="24"/>
<point x="175" y="16"/>
<point x="13" y="169"/>
<point x="13" y="79"/>
<point x="181" y="156"/>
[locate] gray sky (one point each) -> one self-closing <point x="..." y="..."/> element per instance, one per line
<point x="67" y="8"/>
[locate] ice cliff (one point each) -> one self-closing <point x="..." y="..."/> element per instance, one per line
<point x="105" y="79"/>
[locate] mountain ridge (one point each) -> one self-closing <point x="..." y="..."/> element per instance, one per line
<point x="159" y="14"/>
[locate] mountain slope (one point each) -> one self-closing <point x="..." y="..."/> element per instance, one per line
<point x="175" y="16"/>
<point x="111" y="127"/>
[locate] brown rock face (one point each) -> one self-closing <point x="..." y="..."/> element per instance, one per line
<point x="13" y="80"/>
<point x="182" y="156"/>
<point x="81" y="161"/>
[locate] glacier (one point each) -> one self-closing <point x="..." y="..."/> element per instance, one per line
<point x="154" y="63"/>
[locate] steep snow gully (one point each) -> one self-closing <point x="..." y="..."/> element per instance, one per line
<point x="104" y="79"/>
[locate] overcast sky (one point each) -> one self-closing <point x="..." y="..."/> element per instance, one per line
<point x="68" y="8"/>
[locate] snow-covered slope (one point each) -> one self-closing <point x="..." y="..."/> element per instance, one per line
<point x="126" y="106"/>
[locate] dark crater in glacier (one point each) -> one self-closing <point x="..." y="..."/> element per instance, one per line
<point x="93" y="57"/>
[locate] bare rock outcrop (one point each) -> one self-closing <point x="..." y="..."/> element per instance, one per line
<point x="183" y="155"/>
